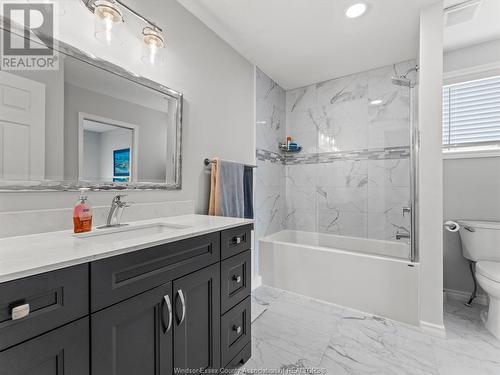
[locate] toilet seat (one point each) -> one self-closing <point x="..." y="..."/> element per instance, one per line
<point x="490" y="270"/>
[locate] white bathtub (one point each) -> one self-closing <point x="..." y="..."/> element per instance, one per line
<point x="368" y="275"/>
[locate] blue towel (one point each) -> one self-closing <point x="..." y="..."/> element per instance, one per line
<point x="248" y="191"/>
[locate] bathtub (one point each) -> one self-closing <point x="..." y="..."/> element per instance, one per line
<point x="372" y="276"/>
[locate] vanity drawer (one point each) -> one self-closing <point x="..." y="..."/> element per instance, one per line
<point x="235" y="330"/>
<point x="50" y="300"/>
<point x="241" y="358"/>
<point x="236" y="240"/>
<point x="115" y="279"/>
<point x="235" y="280"/>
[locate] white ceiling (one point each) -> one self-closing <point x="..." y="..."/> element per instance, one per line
<point x="299" y="42"/>
<point x="483" y="26"/>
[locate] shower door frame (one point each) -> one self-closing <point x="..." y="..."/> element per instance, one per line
<point x="414" y="165"/>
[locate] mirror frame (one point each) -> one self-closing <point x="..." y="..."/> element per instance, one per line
<point x="74" y="185"/>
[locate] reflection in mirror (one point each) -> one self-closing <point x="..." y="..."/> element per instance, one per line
<point x="106" y="149"/>
<point x="88" y="126"/>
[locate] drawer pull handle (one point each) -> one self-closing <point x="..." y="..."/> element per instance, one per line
<point x="237" y="329"/>
<point x="237" y="279"/>
<point x="21" y="311"/>
<point x="166" y="299"/>
<point x="237" y="240"/>
<point x="183" y="303"/>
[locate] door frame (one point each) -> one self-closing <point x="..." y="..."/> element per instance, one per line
<point x="82" y="116"/>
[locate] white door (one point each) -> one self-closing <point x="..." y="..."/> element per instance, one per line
<point x="22" y="128"/>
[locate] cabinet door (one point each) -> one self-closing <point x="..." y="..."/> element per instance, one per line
<point x="134" y="337"/>
<point x="197" y="320"/>
<point x="62" y="351"/>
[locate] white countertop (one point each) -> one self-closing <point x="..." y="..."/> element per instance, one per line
<point x="37" y="253"/>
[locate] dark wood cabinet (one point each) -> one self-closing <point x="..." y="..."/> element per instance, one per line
<point x="134" y="337"/>
<point x="62" y="351"/>
<point x="235" y="240"/>
<point x="51" y="300"/>
<point x="235" y="280"/>
<point x="117" y="278"/>
<point x="197" y="320"/>
<point x="156" y="311"/>
<point x="235" y="330"/>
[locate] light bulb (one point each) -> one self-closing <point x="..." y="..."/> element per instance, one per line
<point x="356" y="10"/>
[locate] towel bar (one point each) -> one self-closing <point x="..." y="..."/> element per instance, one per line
<point x="207" y="162"/>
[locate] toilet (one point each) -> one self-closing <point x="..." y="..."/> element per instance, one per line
<point x="481" y="244"/>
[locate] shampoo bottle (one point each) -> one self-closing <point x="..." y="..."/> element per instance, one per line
<point x="82" y="213"/>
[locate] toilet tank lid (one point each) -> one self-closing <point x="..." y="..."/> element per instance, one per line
<point x="480" y="224"/>
<point x="491" y="270"/>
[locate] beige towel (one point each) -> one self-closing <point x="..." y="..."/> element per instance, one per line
<point x="226" y="189"/>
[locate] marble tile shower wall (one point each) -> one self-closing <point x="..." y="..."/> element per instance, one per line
<point x="353" y="175"/>
<point x="270" y="173"/>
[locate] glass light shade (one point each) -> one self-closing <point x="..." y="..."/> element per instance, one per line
<point x="154" y="47"/>
<point x="108" y="18"/>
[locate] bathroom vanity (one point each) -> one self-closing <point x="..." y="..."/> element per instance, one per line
<point x="154" y="304"/>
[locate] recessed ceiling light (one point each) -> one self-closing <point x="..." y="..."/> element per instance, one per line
<point x="376" y="102"/>
<point x="356" y="10"/>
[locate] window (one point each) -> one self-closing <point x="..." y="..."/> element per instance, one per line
<point x="471" y="115"/>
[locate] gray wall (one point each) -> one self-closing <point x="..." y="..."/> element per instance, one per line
<point x="91" y="155"/>
<point x="218" y="88"/>
<point x="471" y="185"/>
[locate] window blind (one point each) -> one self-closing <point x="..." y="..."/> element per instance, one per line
<point x="471" y="113"/>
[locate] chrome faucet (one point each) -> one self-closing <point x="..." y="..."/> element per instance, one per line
<point x="116" y="211"/>
<point x="400" y="235"/>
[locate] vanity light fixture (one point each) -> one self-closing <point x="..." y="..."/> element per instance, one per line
<point x="376" y="102"/>
<point x="153" y="43"/>
<point x="356" y="10"/>
<point x="108" y="15"/>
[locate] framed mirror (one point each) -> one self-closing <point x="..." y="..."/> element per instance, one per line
<point x="88" y="123"/>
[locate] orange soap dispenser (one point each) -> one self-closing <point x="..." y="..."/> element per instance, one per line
<point x="82" y="213"/>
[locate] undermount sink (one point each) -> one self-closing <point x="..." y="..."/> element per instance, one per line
<point x="125" y="232"/>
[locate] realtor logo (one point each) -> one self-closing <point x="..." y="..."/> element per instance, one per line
<point x="28" y="37"/>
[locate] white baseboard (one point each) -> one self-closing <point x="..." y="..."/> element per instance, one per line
<point x="458" y="295"/>
<point x="256" y="282"/>
<point x="433" y="329"/>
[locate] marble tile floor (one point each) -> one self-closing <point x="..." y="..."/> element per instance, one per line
<point x="298" y="335"/>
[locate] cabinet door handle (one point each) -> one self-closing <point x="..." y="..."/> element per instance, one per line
<point x="237" y="329"/>
<point x="237" y="240"/>
<point x="183" y="303"/>
<point x="237" y="279"/>
<point x="166" y="300"/>
<point x="20" y="311"/>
